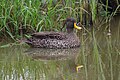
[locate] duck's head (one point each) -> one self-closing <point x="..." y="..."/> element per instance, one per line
<point x="71" y="24"/>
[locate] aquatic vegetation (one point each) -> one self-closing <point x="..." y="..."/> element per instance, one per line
<point x="21" y="17"/>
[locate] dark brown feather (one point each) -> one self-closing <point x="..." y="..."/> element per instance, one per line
<point x="50" y="35"/>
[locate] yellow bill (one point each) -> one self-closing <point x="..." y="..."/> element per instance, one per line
<point x="77" y="27"/>
<point x="79" y="67"/>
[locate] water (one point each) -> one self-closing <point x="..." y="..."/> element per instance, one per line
<point x="99" y="55"/>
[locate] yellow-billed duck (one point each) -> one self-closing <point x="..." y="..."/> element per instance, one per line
<point x="58" y="40"/>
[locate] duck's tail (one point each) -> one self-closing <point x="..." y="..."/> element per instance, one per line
<point x="28" y="41"/>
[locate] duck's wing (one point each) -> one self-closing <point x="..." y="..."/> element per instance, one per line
<point x="50" y="35"/>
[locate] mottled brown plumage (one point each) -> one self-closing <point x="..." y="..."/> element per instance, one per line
<point x="56" y="39"/>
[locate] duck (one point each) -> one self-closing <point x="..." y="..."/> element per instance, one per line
<point x="56" y="40"/>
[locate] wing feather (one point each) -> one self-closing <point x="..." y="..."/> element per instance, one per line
<point x="50" y="35"/>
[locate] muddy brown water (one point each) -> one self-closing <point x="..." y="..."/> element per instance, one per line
<point x="99" y="56"/>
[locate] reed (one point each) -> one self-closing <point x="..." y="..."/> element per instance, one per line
<point x="21" y="17"/>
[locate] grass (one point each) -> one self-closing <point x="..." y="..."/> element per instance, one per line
<point x="21" y="17"/>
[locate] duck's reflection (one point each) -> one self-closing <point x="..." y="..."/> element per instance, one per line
<point x="52" y="54"/>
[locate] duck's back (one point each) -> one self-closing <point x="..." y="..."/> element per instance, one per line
<point x="49" y="35"/>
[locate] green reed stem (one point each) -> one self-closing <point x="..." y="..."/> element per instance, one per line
<point x="97" y="59"/>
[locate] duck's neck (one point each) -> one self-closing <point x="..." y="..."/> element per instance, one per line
<point x="69" y="30"/>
